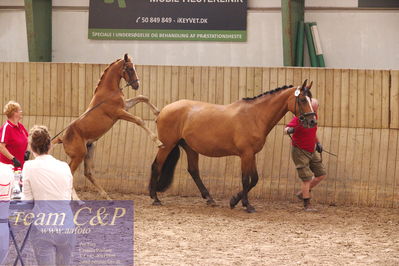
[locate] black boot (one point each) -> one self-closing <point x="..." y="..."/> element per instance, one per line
<point x="307" y="206"/>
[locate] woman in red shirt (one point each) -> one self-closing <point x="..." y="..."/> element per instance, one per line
<point x="13" y="136"/>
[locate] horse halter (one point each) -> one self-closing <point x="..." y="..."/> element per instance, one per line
<point x="302" y="115"/>
<point x="130" y="73"/>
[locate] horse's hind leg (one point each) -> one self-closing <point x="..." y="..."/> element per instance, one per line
<point x="133" y="101"/>
<point x="156" y="169"/>
<point x="192" y="158"/>
<point x="88" y="167"/>
<point x="73" y="165"/>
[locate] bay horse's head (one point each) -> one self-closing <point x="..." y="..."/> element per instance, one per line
<point x="300" y="105"/>
<point x="129" y="73"/>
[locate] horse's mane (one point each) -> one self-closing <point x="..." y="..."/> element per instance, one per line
<point x="105" y="71"/>
<point x="267" y="93"/>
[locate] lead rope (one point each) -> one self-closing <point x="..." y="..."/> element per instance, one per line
<point x="296" y="145"/>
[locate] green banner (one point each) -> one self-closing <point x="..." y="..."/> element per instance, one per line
<point x="168" y="35"/>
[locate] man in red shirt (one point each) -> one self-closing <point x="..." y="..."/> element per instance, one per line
<point x="13" y="136"/>
<point x="308" y="162"/>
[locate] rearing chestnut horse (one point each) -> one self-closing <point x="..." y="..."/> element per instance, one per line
<point x="214" y="130"/>
<point x="106" y="107"/>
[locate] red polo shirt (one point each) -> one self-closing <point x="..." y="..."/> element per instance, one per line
<point x="303" y="138"/>
<point x="16" y="139"/>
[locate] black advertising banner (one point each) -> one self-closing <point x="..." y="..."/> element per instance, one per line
<point x="379" y="3"/>
<point x="190" y="20"/>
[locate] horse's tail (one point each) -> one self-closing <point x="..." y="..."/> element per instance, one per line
<point x="168" y="169"/>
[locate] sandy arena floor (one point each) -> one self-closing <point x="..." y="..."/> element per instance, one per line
<point x="184" y="231"/>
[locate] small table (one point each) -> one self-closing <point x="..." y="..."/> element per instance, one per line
<point x="20" y="205"/>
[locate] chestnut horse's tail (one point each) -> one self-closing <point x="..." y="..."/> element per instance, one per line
<point x="168" y="169"/>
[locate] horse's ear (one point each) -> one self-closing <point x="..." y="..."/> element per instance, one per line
<point x="126" y="58"/>
<point x="310" y="86"/>
<point x="304" y="83"/>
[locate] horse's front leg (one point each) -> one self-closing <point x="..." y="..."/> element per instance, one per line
<point x="124" y="115"/>
<point x="249" y="180"/>
<point x="129" y="103"/>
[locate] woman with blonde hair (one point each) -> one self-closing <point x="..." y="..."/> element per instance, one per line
<point x="13" y="136"/>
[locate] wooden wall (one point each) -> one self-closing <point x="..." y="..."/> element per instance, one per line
<point x="358" y="121"/>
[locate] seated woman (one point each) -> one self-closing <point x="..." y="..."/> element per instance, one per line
<point x="48" y="182"/>
<point x="6" y="181"/>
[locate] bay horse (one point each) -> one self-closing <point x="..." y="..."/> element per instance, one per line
<point x="107" y="106"/>
<point x="239" y="129"/>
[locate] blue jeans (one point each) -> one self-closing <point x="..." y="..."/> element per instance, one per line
<point x="52" y="248"/>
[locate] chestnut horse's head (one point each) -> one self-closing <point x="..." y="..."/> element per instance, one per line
<point x="300" y="105"/>
<point x="129" y="73"/>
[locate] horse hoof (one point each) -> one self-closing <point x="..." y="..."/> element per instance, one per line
<point x="156" y="203"/>
<point x="233" y="202"/>
<point x="211" y="203"/>
<point x="250" y="209"/>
